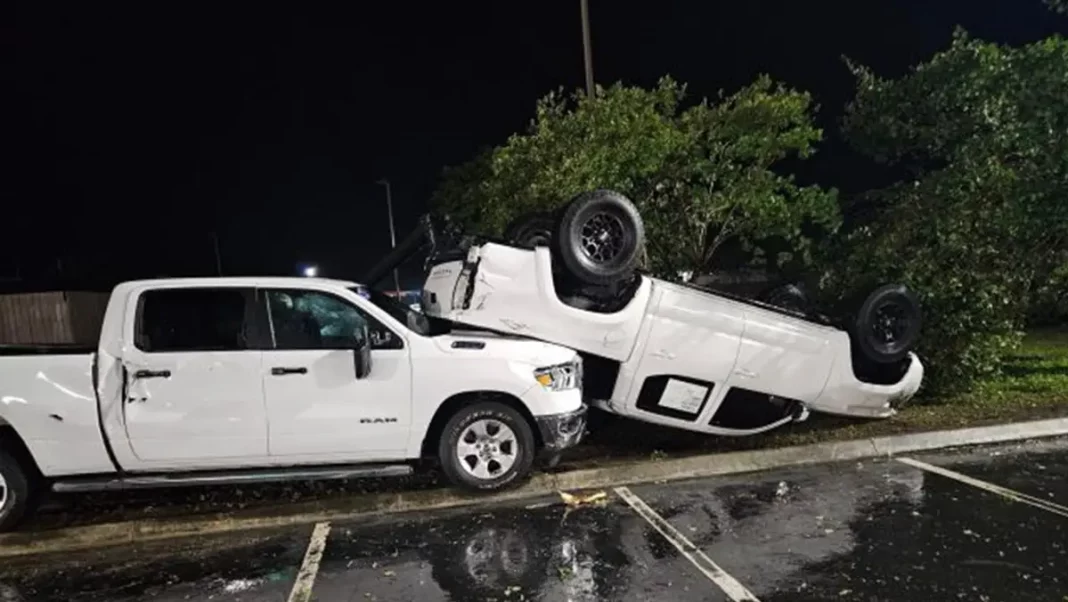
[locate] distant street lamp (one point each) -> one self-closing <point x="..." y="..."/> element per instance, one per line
<point x="392" y="231"/>
<point x="310" y="271"/>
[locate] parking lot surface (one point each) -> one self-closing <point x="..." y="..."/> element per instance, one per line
<point x="925" y="527"/>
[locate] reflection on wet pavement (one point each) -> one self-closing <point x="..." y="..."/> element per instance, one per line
<point x="597" y="553"/>
<point x="870" y="531"/>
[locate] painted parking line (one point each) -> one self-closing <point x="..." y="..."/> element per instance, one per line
<point x="1023" y="498"/>
<point x="302" y="587"/>
<point x="730" y="586"/>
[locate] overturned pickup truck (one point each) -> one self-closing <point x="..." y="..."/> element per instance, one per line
<point x="667" y="353"/>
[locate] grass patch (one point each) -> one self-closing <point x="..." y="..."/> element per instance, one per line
<point x="1033" y="385"/>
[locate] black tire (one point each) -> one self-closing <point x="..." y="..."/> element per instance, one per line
<point x="531" y="230"/>
<point x="600" y="237"/>
<point x="492" y="412"/>
<point x="888" y="324"/>
<point x="786" y="296"/>
<point x="15" y="493"/>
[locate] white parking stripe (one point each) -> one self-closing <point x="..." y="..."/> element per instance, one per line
<point x="992" y="488"/>
<point x="302" y="587"/>
<point x="730" y="586"/>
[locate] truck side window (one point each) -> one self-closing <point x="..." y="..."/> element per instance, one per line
<point x="302" y="319"/>
<point x="192" y="319"/>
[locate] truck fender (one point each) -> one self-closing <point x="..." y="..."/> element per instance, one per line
<point x="454" y="403"/>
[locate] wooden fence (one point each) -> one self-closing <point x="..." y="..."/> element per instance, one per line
<point x="52" y="318"/>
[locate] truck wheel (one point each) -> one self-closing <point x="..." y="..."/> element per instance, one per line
<point x="600" y="237"/>
<point x="531" y="230"/>
<point x="888" y="324"/>
<point x="14" y="492"/>
<point x="486" y="446"/>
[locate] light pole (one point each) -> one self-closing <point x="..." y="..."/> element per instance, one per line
<point x="392" y="232"/>
<point x="215" y="248"/>
<point x="587" y="52"/>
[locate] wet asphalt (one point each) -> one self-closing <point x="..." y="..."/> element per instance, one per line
<point x="869" y="531"/>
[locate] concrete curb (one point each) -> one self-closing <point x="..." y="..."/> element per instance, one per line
<point x="623" y="473"/>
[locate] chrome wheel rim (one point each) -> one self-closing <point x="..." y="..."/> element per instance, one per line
<point x="487" y="449"/>
<point x="3" y="491"/>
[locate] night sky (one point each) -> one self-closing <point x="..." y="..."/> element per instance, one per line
<point x="130" y="136"/>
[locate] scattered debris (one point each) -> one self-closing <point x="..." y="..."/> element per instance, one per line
<point x="782" y="489"/>
<point x="240" y="585"/>
<point x="574" y="501"/>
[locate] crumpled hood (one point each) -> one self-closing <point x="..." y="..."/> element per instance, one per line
<point x="509" y="347"/>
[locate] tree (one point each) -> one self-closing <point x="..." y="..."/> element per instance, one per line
<point x="701" y="175"/>
<point x="983" y="129"/>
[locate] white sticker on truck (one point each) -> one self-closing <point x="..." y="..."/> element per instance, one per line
<point x="683" y="396"/>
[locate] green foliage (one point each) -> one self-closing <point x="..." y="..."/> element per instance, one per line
<point x="954" y="257"/>
<point x="985" y="131"/>
<point x="701" y="175"/>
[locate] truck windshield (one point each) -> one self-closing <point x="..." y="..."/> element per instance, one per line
<point x="415" y="321"/>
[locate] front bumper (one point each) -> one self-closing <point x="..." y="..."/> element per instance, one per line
<point x="561" y="431"/>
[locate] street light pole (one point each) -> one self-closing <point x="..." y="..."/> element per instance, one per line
<point x="392" y="231"/>
<point x="586" y="50"/>
<point x="215" y="248"/>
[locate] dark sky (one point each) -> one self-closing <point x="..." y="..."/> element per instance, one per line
<point x="131" y="135"/>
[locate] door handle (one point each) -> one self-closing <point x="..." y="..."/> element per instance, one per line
<point x="283" y="371"/>
<point x="152" y="374"/>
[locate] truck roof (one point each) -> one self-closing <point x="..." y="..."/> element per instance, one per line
<point x="278" y="281"/>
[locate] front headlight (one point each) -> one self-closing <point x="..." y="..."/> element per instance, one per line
<point x="560" y="377"/>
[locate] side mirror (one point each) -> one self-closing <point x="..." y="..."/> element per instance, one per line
<point x="361" y="355"/>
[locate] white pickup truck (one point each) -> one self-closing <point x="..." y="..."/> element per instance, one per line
<point x="221" y="380"/>
<point x="663" y="352"/>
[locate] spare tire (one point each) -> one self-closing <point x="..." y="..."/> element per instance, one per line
<point x="531" y="230"/>
<point x="600" y="237"/>
<point x="888" y="324"/>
